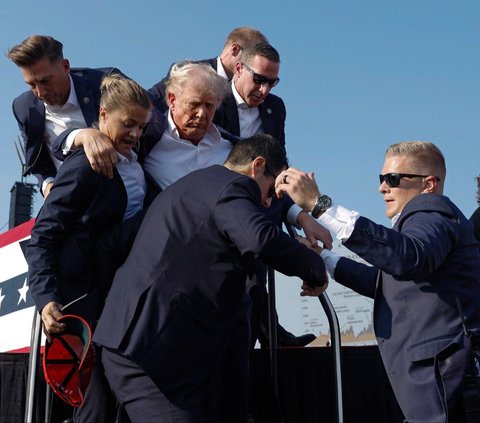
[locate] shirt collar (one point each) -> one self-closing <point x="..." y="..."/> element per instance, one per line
<point x="238" y="98"/>
<point x="133" y="157"/>
<point x="212" y="132"/>
<point x="394" y="219"/>
<point x="220" y="69"/>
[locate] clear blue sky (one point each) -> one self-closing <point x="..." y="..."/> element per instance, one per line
<point x="356" y="76"/>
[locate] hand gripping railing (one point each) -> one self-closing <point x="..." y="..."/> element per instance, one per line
<point x="334" y="335"/>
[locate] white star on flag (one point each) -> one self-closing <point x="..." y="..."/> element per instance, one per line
<point x="23" y="292"/>
<point x="1" y="297"/>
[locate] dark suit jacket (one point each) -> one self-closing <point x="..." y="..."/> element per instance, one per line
<point x="426" y="261"/>
<point x="30" y="114"/>
<point x="173" y="303"/>
<point x="272" y="112"/>
<point x="62" y="252"/>
<point x="475" y="218"/>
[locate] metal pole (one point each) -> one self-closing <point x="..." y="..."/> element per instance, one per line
<point x="272" y="330"/>
<point x="336" y="340"/>
<point x="336" y="344"/>
<point x="32" y="367"/>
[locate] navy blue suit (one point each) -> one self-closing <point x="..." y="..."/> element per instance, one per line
<point x="181" y="287"/>
<point x="30" y="114"/>
<point x="428" y="260"/>
<point x="61" y="254"/>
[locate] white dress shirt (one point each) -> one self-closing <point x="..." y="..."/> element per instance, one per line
<point x="220" y="69"/>
<point x="135" y="184"/>
<point x="248" y="117"/>
<point x="60" y="118"/>
<point x="340" y="221"/>
<point x="173" y="157"/>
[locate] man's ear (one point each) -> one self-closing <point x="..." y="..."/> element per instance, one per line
<point x="238" y="68"/>
<point x="66" y="65"/>
<point x="430" y="185"/>
<point x="258" y="166"/>
<point x="171" y="100"/>
<point x="235" y="49"/>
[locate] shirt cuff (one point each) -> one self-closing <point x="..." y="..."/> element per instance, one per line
<point x="292" y="215"/>
<point x="67" y="144"/>
<point x="330" y="259"/>
<point x="340" y="221"/>
<point x="45" y="183"/>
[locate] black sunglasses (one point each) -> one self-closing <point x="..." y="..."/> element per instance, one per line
<point x="393" y="179"/>
<point x="260" y="79"/>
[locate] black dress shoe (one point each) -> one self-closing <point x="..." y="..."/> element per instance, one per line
<point x="285" y="338"/>
<point x="290" y="340"/>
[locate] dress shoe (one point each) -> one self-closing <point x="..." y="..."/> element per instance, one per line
<point x="288" y="339"/>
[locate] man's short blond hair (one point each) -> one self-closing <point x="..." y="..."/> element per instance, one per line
<point x="426" y="155"/>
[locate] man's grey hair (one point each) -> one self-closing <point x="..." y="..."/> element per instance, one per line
<point x="183" y="73"/>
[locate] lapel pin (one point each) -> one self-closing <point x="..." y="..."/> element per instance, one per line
<point x="86" y="100"/>
<point x="269" y="111"/>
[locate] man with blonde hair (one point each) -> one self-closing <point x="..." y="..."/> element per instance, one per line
<point x="424" y="277"/>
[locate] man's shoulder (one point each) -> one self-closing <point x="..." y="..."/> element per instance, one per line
<point x="92" y="75"/>
<point x="431" y="203"/>
<point x="274" y="99"/>
<point x="212" y="62"/>
<point x="25" y="99"/>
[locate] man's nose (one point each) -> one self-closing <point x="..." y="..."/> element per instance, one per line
<point x="201" y="112"/>
<point x="39" y="91"/>
<point x="383" y="188"/>
<point x="265" y="89"/>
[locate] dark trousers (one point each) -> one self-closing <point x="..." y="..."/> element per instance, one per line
<point x="141" y="398"/>
<point x="99" y="403"/>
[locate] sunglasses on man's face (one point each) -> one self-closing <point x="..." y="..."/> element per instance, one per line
<point x="393" y="179"/>
<point x="260" y="79"/>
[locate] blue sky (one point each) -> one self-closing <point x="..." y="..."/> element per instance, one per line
<point x="356" y="76"/>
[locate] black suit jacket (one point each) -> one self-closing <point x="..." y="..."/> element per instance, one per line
<point x="29" y="112"/>
<point x="475" y="218"/>
<point x="62" y="253"/>
<point x="272" y="112"/>
<point x="173" y="303"/>
<point x="426" y="262"/>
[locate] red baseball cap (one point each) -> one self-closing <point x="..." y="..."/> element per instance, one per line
<point x="69" y="359"/>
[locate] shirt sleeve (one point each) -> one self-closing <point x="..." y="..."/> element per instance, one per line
<point x="340" y="221"/>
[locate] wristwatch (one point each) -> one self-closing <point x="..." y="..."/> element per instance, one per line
<point x="322" y="203"/>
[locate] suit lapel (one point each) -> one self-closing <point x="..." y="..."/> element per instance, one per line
<point x="36" y="129"/>
<point x="266" y="114"/>
<point x="86" y="99"/>
<point x="231" y="114"/>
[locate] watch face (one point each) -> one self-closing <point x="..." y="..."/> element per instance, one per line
<point x="324" y="202"/>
